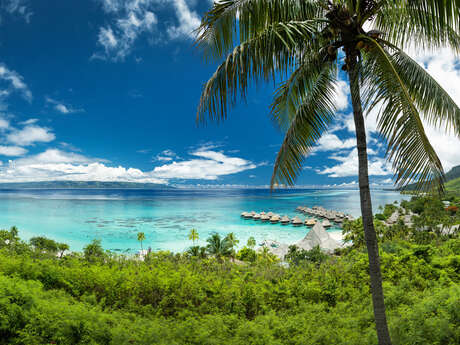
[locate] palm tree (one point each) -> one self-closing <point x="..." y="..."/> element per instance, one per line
<point x="305" y="42"/>
<point x="218" y="247"/>
<point x="193" y="235"/>
<point x="251" y="242"/>
<point x="140" y="238"/>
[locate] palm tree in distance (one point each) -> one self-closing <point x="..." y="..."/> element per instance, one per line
<point x="141" y="238"/>
<point x="193" y="235"/>
<point x="219" y="247"/>
<point x="304" y="43"/>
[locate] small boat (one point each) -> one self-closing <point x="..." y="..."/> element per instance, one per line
<point x="243" y="214"/>
<point x="296" y="221"/>
<point x="285" y="220"/>
<point x="264" y="217"/>
<point x="256" y="216"/>
<point x="327" y="224"/>
<point x="310" y="222"/>
<point x="275" y="218"/>
<point x="262" y="213"/>
<point x="270" y="214"/>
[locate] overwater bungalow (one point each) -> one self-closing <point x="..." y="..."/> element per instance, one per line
<point x="310" y="222"/>
<point x="327" y="224"/>
<point x="285" y="220"/>
<point x="296" y="221"/>
<point x="275" y="218"/>
<point x="248" y="215"/>
<point x="264" y="217"/>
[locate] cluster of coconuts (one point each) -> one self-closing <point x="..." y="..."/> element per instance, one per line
<point x="360" y="45"/>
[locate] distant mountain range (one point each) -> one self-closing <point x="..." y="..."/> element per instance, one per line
<point x="82" y="185"/>
<point x="452" y="180"/>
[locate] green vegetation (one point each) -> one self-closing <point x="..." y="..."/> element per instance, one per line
<point x="453" y="185"/>
<point x="205" y="297"/>
<point x="452" y="181"/>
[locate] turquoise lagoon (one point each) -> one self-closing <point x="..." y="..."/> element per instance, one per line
<point x="77" y="216"/>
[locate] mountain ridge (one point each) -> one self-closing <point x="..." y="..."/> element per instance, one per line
<point x="82" y="185"/>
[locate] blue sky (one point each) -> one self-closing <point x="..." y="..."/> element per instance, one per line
<point x="108" y="90"/>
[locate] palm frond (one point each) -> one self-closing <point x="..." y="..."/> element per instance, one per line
<point x="412" y="156"/>
<point x="428" y="24"/>
<point x="273" y="50"/>
<point x="290" y="94"/>
<point x="233" y="21"/>
<point x="311" y="119"/>
<point x="434" y="103"/>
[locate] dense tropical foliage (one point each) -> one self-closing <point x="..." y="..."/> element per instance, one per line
<point x="98" y="297"/>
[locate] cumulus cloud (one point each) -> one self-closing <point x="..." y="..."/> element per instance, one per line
<point x="61" y="107"/>
<point x="331" y="142"/>
<point x="12" y="151"/>
<point x="12" y="81"/>
<point x="30" y="135"/>
<point x="56" y="164"/>
<point x="348" y="165"/>
<point x="209" y="166"/>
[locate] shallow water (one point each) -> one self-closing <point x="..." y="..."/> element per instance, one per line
<point x="78" y="216"/>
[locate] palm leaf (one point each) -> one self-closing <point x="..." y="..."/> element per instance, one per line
<point x="273" y="50"/>
<point x="290" y="94"/>
<point x="428" y="24"/>
<point x="311" y="119"/>
<point x="232" y="21"/>
<point x="433" y="102"/>
<point x="412" y="156"/>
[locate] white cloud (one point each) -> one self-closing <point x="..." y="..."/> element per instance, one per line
<point x="4" y="124"/>
<point x="341" y="95"/>
<point x="61" y="107"/>
<point x="14" y="83"/>
<point x="331" y="142"/>
<point x="12" y="151"/>
<point x="28" y="122"/>
<point x="166" y="156"/>
<point x="55" y="164"/>
<point x="132" y="18"/>
<point x="19" y="7"/>
<point x="209" y="166"/>
<point x="349" y="165"/>
<point x="29" y="135"/>
<point x="188" y="21"/>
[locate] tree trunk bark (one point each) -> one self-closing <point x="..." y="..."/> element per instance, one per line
<point x="366" y="205"/>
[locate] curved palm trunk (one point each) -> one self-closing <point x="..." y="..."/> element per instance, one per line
<point x="366" y="206"/>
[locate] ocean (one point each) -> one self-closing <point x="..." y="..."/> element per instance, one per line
<point x="77" y="216"/>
